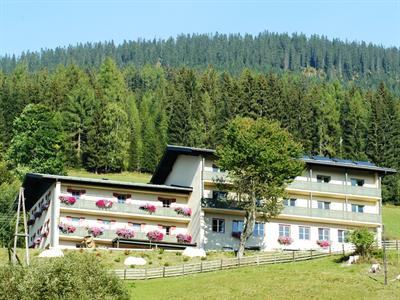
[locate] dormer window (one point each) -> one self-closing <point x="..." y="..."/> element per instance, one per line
<point x="323" y="178"/>
<point x="357" y="182"/>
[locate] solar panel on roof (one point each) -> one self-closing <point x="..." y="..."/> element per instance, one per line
<point x="317" y="157"/>
<point x="344" y="161"/>
<point x="364" y="163"/>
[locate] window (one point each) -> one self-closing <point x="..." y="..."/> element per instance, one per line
<point x="304" y="233"/>
<point x="218" y="225"/>
<point x="324" y="205"/>
<point x="167" y="230"/>
<point x="76" y="194"/>
<point x="284" y="230"/>
<point x="167" y="201"/>
<point x="258" y="229"/>
<point x="219" y="195"/>
<point x="289" y="202"/>
<point x="237" y="226"/>
<point x="342" y="235"/>
<point x="135" y="226"/>
<point x="75" y="219"/>
<point x="121" y="198"/>
<point x="323" y="178"/>
<point x="323" y="234"/>
<point x="357" y="182"/>
<point x="215" y="168"/>
<point x="357" y="208"/>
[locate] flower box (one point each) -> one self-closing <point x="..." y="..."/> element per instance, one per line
<point x="323" y="243"/>
<point x="104" y="203"/>
<point x="66" y="228"/>
<point x="125" y="233"/>
<point x="155" y="236"/>
<point x="184" y="211"/>
<point x="67" y="200"/>
<point x="184" y="238"/>
<point x="95" y="231"/>
<point x="285" y="240"/>
<point x="236" y="234"/>
<point x="150" y="208"/>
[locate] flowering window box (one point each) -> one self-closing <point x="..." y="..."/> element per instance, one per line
<point x="150" y="208"/>
<point x="155" y="236"/>
<point x="67" y="200"/>
<point x="95" y="231"/>
<point x="184" y="211"/>
<point x="184" y="238"/>
<point x="104" y="203"/>
<point x="236" y="234"/>
<point x="125" y="233"/>
<point x="66" y="228"/>
<point x="323" y="243"/>
<point x="285" y="240"/>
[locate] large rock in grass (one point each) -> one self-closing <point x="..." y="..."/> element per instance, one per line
<point x="55" y="252"/>
<point x="134" y="261"/>
<point x="194" y="252"/>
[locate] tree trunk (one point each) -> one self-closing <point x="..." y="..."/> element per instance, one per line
<point x="249" y="221"/>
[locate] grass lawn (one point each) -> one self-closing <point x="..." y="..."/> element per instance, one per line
<point x="317" y="279"/>
<point x="391" y="220"/>
<point x="124" y="176"/>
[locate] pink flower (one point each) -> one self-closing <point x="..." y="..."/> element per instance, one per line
<point x="184" y="238"/>
<point x="285" y="240"/>
<point x="125" y="233"/>
<point x="148" y="207"/>
<point x="68" y="200"/>
<point x="66" y="228"/>
<point x="155" y="236"/>
<point x="185" y="211"/>
<point x="323" y="243"/>
<point x="95" y="231"/>
<point x="104" y="203"/>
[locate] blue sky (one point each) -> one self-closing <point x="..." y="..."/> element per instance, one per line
<point x="32" y="25"/>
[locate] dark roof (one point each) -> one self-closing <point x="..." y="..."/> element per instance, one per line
<point x="172" y="152"/>
<point x="36" y="184"/>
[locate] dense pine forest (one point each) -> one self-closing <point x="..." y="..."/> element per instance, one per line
<point x="349" y="62"/>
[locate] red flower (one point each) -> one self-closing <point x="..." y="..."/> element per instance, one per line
<point x="104" y="203"/>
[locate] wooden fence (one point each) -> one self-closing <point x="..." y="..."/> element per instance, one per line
<point x="392" y="244"/>
<point x="222" y="264"/>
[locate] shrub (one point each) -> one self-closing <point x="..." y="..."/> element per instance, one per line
<point x="74" y="276"/>
<point x="185" y="258"/>
<point x="178" y="253"/>
<point x="167" y="264"/>
<point x="127" y="252"/>
<point x="185" y="211"/>
<point x="118" y="259"/>
<point x="363" y="239"/>
<point x="150" y="262"/>
<point x="285" y="240"/>
<point x="203" y="258"/>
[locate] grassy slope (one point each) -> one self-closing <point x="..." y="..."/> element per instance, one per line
<point x="391" y="220"/>
<point x="124" y="176"/>
<point x="318" y="279"/>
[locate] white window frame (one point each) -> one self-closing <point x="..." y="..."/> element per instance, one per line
<point x="325" y="234"/>
<point x="290" y="202"/>
<point x="259" y="229"/>
<point x="342" y="234"/>
<point x="304" y="233"/>
<point x="220" y="225"/>
<point x="284" y="230"/>
<point x="357" y="208"/>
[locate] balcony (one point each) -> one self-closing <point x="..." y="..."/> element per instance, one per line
<point x="125" y="208"/>
<point x="335" y="188"/>
<point x="110" y="234"/>
<point x="302" y="211"/>
<point x="214" y="176"/>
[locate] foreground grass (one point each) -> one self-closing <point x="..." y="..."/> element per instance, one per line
<point x="317" y="279"/>
<point x="391" y="220"/>
<point x="123" y="176"/>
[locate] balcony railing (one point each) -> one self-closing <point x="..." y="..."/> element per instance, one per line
<point x="110" y="234"/>
<point x="214" y="176"/>
<point x="335" y="188"/>
<point x="302" y="211"/>
<point x="126" y="208"/>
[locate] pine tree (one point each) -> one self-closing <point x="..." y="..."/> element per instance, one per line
<point x="136" y="142"/>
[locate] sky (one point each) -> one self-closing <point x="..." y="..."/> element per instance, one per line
<point x="33" y="25"/>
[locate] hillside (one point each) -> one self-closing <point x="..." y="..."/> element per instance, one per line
<point x="391" y="220"/>
<point x="365" y="64"/>
<point x="318" y="279"/>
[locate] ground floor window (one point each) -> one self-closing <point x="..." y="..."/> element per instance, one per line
<point x="323" y="234"/>
<point x="304" y="233"/>
<point x="342" y="235"/>
<point x="218" y="225"/>
<point x="258" y="229"/>
<point x="284" y="230"/>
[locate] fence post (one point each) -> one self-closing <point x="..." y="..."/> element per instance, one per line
<point x="258" y="260"/>
<point x="124" y="274"/>
<point x="238" y="261"/>
<point x="330" y="249"/>
<point x="293" y="255"/>
<point x="145" y="273"/>
<point x="201" y="267"/>
<point x="183" y="269"/>
<point x="163" y="272"/>
<point x="221" y="263"/>
<point x="343" y="250"/>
